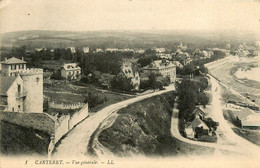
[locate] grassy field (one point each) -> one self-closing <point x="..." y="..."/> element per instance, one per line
<point x="67" y="93"/>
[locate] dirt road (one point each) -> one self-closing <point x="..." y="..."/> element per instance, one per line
<point x="234" y="143"/>
<point x="74" y="145"/>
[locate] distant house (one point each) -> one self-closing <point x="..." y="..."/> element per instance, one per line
<point x="164" y="67"/>
<point x="178" y="64"/>
<point x="71" y="71"/>
<point x="164" y="56"/>
<point x="12" y="65"/>
<point x="40" y="49"/>
<point x="111" y="49"/>
<point x="183" y="58"/>
<point x="160" y="50"/>
<point x="140" y="51"/>
<point x="130" y="71"/>
<point x="72" y="49"/>
<point x="99" y="50"/>
<point x="191" y="128"/>
<point x="86" y="49"/>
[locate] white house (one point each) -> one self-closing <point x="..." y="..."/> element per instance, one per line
<point x="164" y="67"/>
<point x="12" y="65"/>
<point x="71" y="71"/>
<point x="86" y="49"/>
<point x="21" y="89"/>
<point x="130" y="71"/>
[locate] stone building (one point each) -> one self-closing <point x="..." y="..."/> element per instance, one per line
<point x="21" y="88"/>
<point x="12" y="65"/>
<point x="164" y="67"/>
<point x="130" y="71"/>
<point x="71" y="71"/>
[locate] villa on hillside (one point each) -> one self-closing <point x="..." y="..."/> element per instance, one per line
<point x="164" y="67"/>
<point x="71" y="71"/>
<point x="130" y="71"/>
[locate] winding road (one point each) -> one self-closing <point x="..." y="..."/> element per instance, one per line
<point x="74" y="145"/>
<point x="234" y="143"/>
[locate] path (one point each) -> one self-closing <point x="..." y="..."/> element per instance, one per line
<point x="76" y="142"/>
<point x="238" y="144"/>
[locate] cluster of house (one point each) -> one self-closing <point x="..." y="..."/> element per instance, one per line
<point x="164" y="67"/>
<point x="197" y="128"/>
<point x="21" y="89"/>
<point x="244" y="51"/>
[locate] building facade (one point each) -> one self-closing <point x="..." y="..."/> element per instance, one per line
<point x="21" y="89"/>
<point x="163" y="67"/>
<point x="130" y="71"/>
<point x="11" y="66"/>
<point x="71" y="71"/>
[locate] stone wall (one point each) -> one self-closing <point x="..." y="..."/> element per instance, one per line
<point x="79" y="116"/>
<point x="67" y="122"/>
<point x="65" y="106"/>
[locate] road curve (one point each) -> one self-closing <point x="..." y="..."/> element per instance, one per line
<point x="74" y="145"/>
<point x="239" y="145"/>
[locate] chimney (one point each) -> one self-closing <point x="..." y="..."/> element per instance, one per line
<point x="22" y="59"/>
<point x="5" y="59"/>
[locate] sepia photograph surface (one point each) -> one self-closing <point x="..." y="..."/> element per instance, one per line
<point x="129" y="83"/>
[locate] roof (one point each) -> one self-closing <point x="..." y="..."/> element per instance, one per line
<point x="13" y="60"/>
<point x="158" y="64"/>
<point x="198" y="110"/>
<point x="198" y="123"/>
<point x="71" y="66"/>
<point x="6" y="82"/>
<point x="252" y="120"/>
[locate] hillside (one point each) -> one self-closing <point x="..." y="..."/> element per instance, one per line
<point x="17" y="140"/>
<point x="119" y="39"/>
<point x="143" y="128"/>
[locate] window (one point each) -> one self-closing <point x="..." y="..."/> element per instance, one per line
<point x="13" y="109"/>
<point x="19" y="88"/>
<point x="37" y="79"/>
<point x="19" y="107"/>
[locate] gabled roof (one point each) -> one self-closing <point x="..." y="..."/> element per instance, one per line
<point x="13" y="60"/>
<point x="157" y="64"/>
<point x="198" y="123"/>
<point x="6" y="82"/>
<point x="198" y="110"/>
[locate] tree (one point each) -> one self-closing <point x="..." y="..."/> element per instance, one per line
<point x="121" y="82"/>
<point x="187" y="96"/>
<point x="93" y="99"/>
<point x="203" y="99"/>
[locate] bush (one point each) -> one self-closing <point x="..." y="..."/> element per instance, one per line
<point x="57" y="76"/>
<point x="93" y="99"/>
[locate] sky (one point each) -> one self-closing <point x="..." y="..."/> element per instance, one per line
<point x="89" y="15"/>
